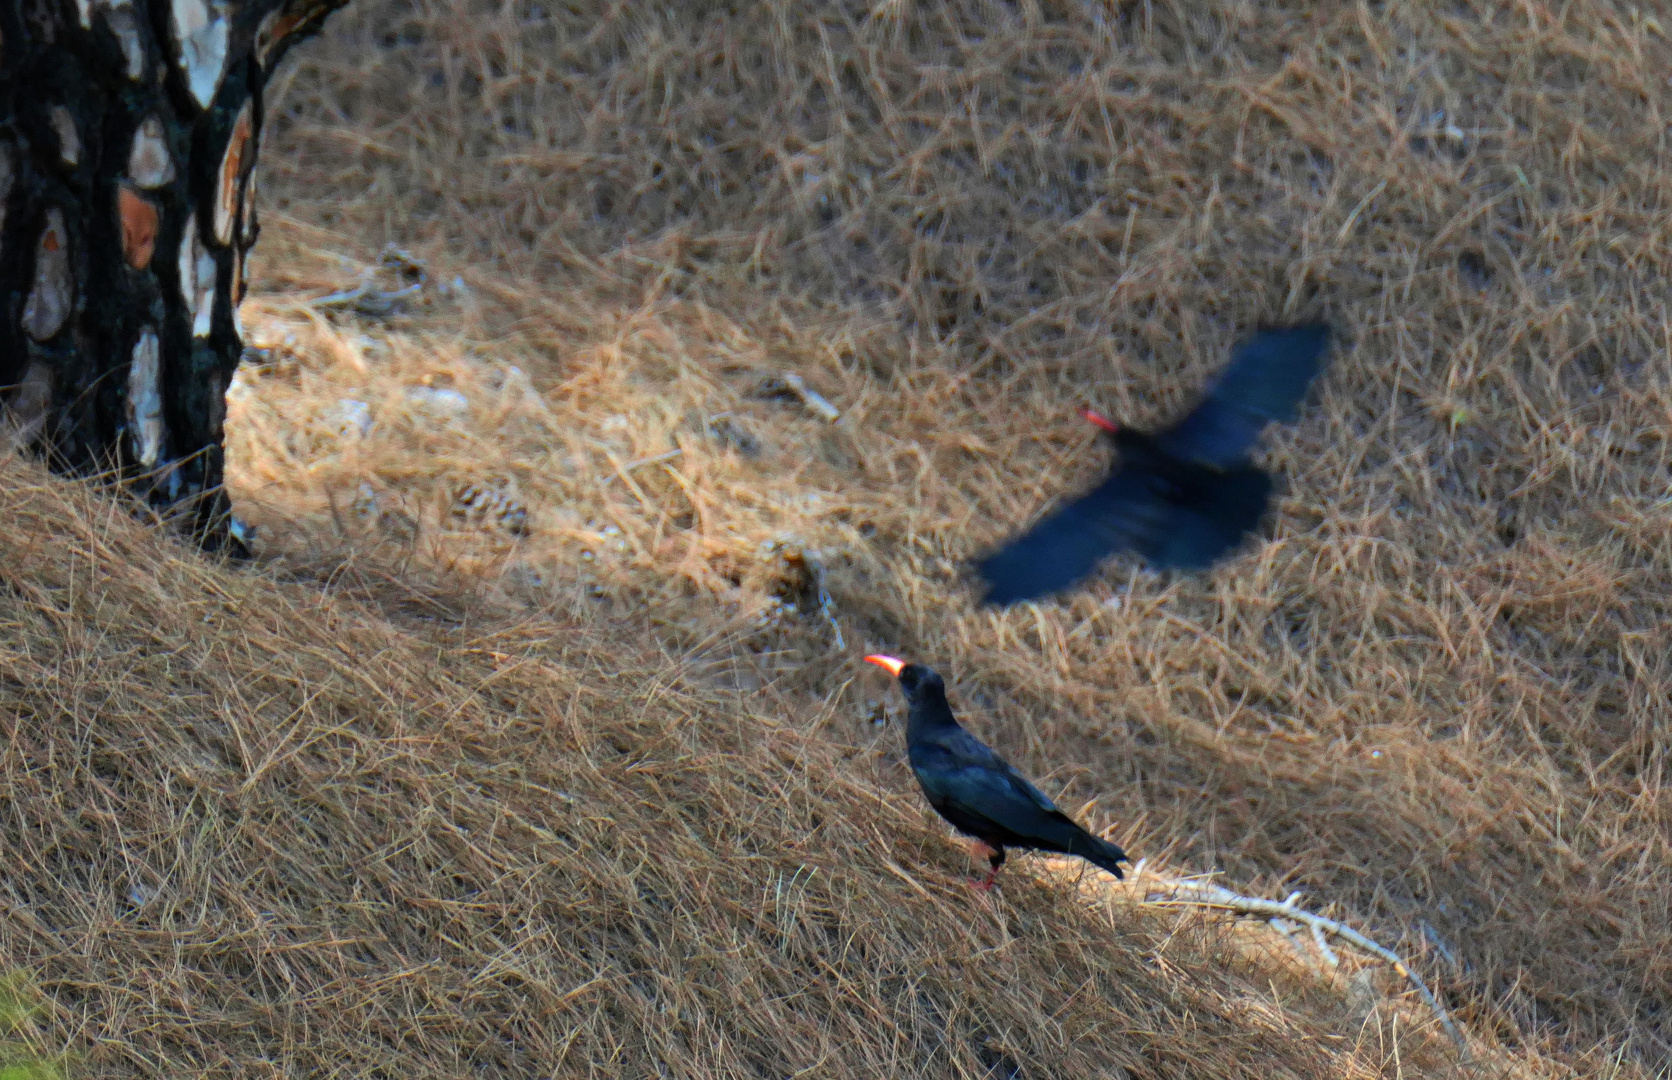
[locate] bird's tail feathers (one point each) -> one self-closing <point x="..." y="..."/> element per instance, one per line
<point x="1100" y="852"/>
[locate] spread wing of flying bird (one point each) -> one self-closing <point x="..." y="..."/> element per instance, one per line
<point x="1183" y="498"/>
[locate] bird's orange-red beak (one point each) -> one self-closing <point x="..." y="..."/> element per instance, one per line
<point x="887" y="663"/>
<point x="1100" y="420"/>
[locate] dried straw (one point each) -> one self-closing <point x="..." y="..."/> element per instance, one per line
<point x="1434" y="698"/>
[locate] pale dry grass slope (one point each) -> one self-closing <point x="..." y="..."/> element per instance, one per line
<point x="569" y="520"/>
<point x="254" y="827"/>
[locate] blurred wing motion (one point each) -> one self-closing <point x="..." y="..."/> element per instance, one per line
<point x="1182" y="499"/>
<point x="1071" y="541"/>
<point x="1263" y="384"/>
<point x="1172" y="525"/>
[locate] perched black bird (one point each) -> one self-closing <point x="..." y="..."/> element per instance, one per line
<point x="975" y="789"/>
<point x="1181" y="498"/>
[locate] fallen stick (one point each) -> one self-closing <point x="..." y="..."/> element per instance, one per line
<point x="623" y="470"/>
<point x="1203" y="894"/>
<point x="827" y="604"/>
<point x="367" y="298"/>
<point x="811" y="398"/>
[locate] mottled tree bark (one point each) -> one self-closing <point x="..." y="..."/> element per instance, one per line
<point x="128" y="134"/>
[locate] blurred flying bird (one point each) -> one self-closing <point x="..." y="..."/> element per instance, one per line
<point x="1181" y="498"/>
<point x="976" y="790"/>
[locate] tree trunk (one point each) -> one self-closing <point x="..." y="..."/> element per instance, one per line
<point x="128" y="135"/>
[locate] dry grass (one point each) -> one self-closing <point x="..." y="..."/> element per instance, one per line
<point x="252" y="828"/>
<point x="1436" y="699"/>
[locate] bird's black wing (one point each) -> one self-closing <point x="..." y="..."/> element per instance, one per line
<point x="1223" y="508"/>
<point x="980" y="794"/>
<point x="963" y="774"/>
<point x="1121" y="513"/>
<point x="1264" y="383"/>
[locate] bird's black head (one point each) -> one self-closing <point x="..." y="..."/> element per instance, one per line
<point x="915" y="679"/>
<point x="925" y="696"/>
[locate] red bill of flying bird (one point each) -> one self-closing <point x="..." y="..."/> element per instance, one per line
<point x="1182" y="498"/>
<point x="976" y="790"/>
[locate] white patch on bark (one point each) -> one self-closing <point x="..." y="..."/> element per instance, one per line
<point x="149" y="163"/>
<point x="197" y="279"/>
<point x="53" y="296"/>
<point x="204" y="308"/>
<point x="145" y="399"/>
<point x="200" y="31"/>
<point x="69" y="140"/>
<point x="188" y="263"/>
<point x="119" y="16"/>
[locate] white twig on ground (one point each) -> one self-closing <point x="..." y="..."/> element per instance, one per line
<point x="811" y="398"/>
<point x="654" y="459"/>
<point x="1287" y="929"/>
<point x="1204" y="894"/>
<point x="827" y="605"/>
<point x="1439" y="944"/>
<point x="1323" y="946"/>
<point x="366" y="298"/>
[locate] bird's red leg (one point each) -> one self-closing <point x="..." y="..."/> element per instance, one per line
<point x="982" y="850"/>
